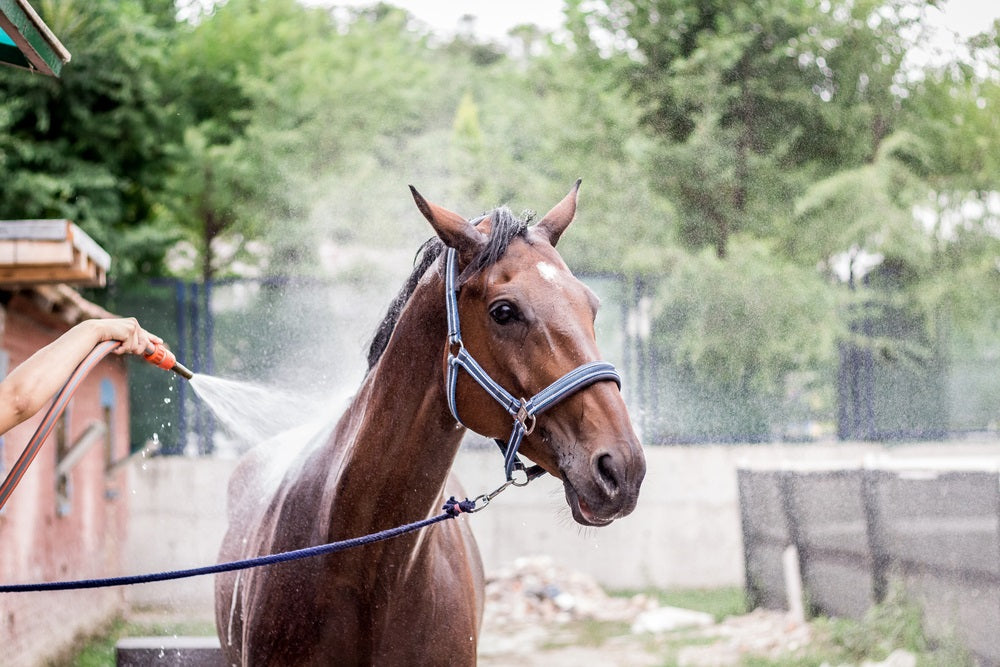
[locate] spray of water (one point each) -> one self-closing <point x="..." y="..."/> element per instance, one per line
<point x="253" y="413"/>
<point x="278" y="426"/>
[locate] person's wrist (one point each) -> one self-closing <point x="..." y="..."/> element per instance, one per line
<point x="94" y="329"/>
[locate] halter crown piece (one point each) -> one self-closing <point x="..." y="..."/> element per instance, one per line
<point x="522" y="411"/>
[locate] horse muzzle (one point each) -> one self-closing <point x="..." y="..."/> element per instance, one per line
<point x="607" y="488"/>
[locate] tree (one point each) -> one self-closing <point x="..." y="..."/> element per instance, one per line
<point x="91" y="146"/>
<point x="745" y="345"/>
<point x="750" y="99"/>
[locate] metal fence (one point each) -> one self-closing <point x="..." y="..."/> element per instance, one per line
<point x="936" y="531"/>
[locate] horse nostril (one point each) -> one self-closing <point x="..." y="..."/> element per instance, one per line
<point x="606" y="473"/>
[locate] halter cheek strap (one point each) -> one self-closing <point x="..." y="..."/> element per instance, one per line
<point x="523" y="411"/>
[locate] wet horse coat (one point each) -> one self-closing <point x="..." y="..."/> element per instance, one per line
<point x="417" y="599"/>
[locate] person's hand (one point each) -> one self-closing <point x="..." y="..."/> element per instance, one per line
<point x="134" y="339"/>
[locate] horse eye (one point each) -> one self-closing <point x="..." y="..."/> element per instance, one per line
<point x="504" y="313"/>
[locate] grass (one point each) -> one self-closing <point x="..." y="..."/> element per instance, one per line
<point x="895" y="624"/>
<point x="98" y="650"/>
<point x="719" y="602"/>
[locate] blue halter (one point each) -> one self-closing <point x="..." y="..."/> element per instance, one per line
<point x="523" y="411"/>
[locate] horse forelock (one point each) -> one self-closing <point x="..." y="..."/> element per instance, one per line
<point x="504" y="228"/>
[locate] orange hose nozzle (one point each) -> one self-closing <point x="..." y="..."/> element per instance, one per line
<point x="161" y="357"/>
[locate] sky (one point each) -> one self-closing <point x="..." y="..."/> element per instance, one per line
<point x="495" y="17"/>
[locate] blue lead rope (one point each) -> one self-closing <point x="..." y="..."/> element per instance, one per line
<point x="523" y="411"/>
<point x="451" y="510"/>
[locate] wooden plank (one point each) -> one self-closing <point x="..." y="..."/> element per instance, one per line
<point x="58" y="249"/>
<point x="40" y="253"/>
<point x="89" y="276"/>
<point x="85" y="244"/>
<point x="38" y="230"/>
<point x="90" y="437"/>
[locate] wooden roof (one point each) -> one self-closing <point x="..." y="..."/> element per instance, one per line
<point x="56" y="304"/>
<point x="34" y="252"/>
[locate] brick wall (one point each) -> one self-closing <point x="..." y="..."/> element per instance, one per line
<point x="43" y="538"/>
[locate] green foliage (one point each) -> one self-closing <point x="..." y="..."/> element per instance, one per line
<point x="867" y="207"/>
<point x="895" y="623"/>
<point x="749" y="99"/>
<point x="783" y="136"/>
<point x="744" y="340"/>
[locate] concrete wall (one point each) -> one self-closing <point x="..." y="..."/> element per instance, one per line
<point x="685" y="532"/>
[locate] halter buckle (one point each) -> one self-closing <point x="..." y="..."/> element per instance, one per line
<point x="523" y="416"/>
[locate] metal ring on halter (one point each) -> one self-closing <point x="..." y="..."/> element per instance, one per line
<point x="519" y="476"/>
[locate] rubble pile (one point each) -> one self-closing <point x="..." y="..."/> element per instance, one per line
<point x="762" y="633"/>
<point x="535" y="590"/>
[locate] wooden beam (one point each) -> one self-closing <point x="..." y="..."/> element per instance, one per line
<point x="88" y="439"/>
<point x="37" y="49"/>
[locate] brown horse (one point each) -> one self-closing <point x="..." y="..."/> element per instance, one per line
<point x="417" y="599"/>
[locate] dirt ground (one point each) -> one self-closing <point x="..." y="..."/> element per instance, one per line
<point x="538" y="613"/>
<point x="762" y="634"/>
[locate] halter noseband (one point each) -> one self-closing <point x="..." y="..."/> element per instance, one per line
<point x="523" y="411"/>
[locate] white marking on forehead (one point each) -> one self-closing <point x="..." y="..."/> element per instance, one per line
<point x="548" y="271"/>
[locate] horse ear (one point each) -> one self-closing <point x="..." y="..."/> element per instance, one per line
<point x="557" y="220"/>
<point x="453" y="229"/>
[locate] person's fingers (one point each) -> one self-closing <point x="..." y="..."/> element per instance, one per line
<point x="134" y="339"/>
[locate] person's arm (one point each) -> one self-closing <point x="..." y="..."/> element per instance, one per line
<point x="29" y="386"/>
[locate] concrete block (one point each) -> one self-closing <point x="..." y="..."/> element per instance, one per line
<point x="169" y="652"/>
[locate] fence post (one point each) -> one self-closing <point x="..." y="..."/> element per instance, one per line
<point x="875" y="533"/>
<point x="786" y="479"/>
<point x="751" y="590"/>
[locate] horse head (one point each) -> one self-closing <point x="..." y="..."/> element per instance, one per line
<point x="528" y="322"/>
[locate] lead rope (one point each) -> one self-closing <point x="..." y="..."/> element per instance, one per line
<point x="452" y="509"/>
<point x="523" y="411"/>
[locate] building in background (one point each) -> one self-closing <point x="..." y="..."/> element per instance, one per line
<point x="67" y="518"/>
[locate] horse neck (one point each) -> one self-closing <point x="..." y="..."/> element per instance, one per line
<point x="399" y="436"/>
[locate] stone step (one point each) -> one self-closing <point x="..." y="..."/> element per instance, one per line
<point x="169" y="652"/>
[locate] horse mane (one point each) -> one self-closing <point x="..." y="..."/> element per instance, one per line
<point x="504" y="227"/>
